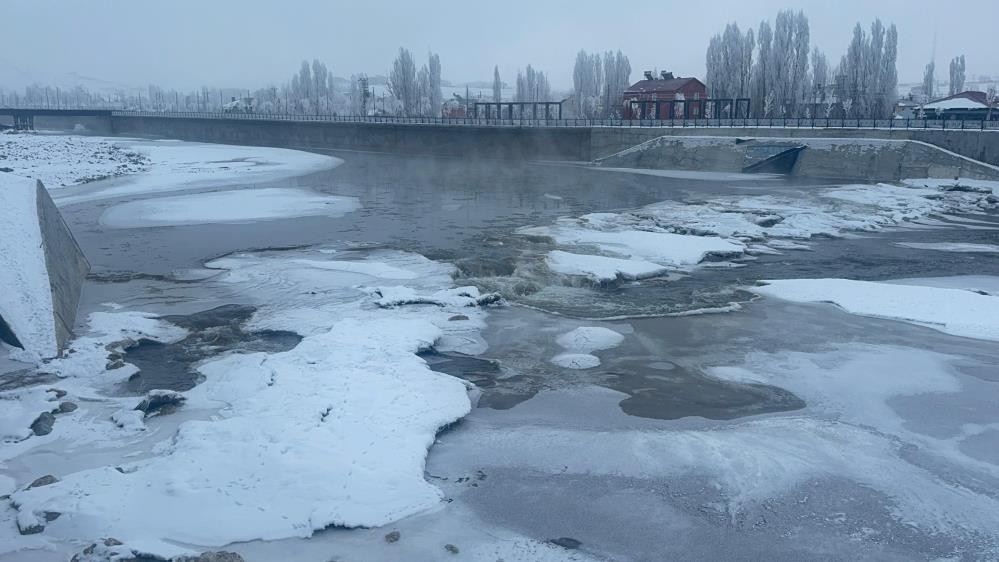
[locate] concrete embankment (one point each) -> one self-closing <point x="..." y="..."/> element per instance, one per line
<point x="881" y="154"/>
<point x="466" y="141"/>
<point x="42" y="269"/>
<point x="852" y="159"/>
<point x="978" y="145"/>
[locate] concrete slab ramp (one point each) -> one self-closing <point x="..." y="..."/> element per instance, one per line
<point x="847" y="159"/>
<point x="42" y="269"/>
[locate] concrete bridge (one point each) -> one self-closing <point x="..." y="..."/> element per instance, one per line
<point x="24" y="117"/>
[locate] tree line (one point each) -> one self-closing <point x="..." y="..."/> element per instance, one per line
<point x="784" y="76"/>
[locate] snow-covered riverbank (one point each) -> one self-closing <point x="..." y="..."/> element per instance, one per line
<point x="65" y="163"/>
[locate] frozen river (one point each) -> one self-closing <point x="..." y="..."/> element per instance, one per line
<point x="640" y="395"/>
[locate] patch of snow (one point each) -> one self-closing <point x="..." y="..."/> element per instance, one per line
<point x="601" y="269"/>
<point x="26" y="301"/>
<point x="953" y="311"/>
<point x="954" y="103"/>
<point x="19" y="408"/>
<point x="590" y="338"/>
<point x="61" y="161"/>
<point x="240" y="206"/>
<point x="576" y="360"/>
<point x="7" y="485"/>
<point x="129" y="419"/>
<point x="965" y="247"/>
<point x="581" y="342"/>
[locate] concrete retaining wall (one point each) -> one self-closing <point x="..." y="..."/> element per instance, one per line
<point x="531" y="143"/>
<point x="978" y="145"/>
<point x="890" y="161"/>
<point x="849" y="159"/>
<point x="66" y="264"/>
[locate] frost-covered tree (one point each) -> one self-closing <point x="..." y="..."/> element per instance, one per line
<point x="820" y="75"/>
<point x="866" y="80"/>
<point x="730" y="63"/>
<point x="497" y="85"/>
<point x="762" y="86"/>
<point x="355" y="96"/>
<point x="532" y="85"/>
<point x="889" y="72"/>
<point x="956" y="75"/>
<point x="928" y="79"/>
<point x="436" y="97"/>
<point x="402" y="82"/>
<point x="586" y="83"/>
<point x="423" y="87"/>
<point x="616" y="79"/>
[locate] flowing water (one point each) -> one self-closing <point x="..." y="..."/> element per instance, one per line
<point x="678" y="328"/>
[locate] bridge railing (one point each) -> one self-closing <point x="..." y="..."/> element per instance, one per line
<point x="790" y="122"/>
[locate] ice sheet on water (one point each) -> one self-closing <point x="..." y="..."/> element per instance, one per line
<point x="849" y="431"/>
<point x="241" y="205"/>
<point x="954" y="311"/>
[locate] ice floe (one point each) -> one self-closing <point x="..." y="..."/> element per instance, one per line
<point x="332" y="432"/>
<point x="601" y="269"/>
<point x="954" y="311"/>
<point x="580" y="344"/>
<point x="242" y="205"/>
<point x="663" y="248"/>
<point x="965" y="247"/>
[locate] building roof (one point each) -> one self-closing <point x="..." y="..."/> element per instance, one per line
<point x="660" y="86"/>
<point x="963" y="100"/>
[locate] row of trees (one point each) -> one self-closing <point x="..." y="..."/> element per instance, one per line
<point x="777" y="68"/>
<point x="598" y="83"/>
<point x="957" y="78"/>
<point x="417" y="92"/>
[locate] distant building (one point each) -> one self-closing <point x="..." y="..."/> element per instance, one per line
<point x="969" y="105"/>
<point x="665" y="88"/>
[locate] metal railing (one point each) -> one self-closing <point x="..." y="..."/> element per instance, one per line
<point x="791" y="122"/>
<point x="797" y="123"/>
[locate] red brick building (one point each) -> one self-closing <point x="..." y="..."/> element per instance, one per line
<point x="641" y="97"/>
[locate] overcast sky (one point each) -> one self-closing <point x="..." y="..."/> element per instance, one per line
<point x="249" y="43"/>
